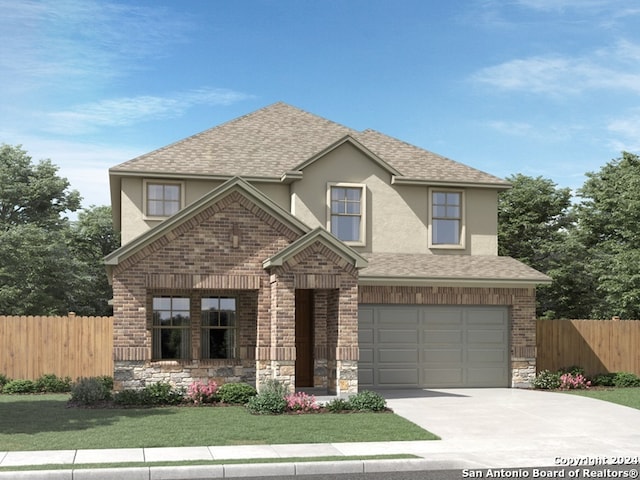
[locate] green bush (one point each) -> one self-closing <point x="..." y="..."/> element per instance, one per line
<point x="338" y="405"/>
<point x="267" y="403"/>
<point x="129" y="397"/>
<point x="624" y="379"/>
<point x="367" y="401"/>
<point x="89" y="391"/>
<point x="603" y="380"/>
<point x="237" y="393"/>
<point x="574" y="370"/>
<point x="51" y="383"/>
<point x="547" y="380"/>
<point x="19" y="386"/>
<point x="106" y="381"/>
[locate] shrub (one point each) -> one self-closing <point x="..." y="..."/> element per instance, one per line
<point x="603" y="380"/>
<point x="51" y="383"/>
<point x="574" y="370"/>
<point x="89" y="391"/>
<point x="129" y="397"/>
<point x="161" y="394"/>
<point x="573" y="382"/>
<point x="106" y="381"/>
<point x="623" y="379"/>
<point x="19" y="386"/>
<point x="267" y="403"/>
<point x="238" y="393"/>
<point x="200" y="393"/>
<point x="338" y="405"/>
<point x="546" y="380"/>
<point x="301" y="402"/>
<point x="367" y="401"/>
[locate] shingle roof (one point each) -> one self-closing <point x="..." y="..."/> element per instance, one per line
<point x="449" y="267"/>
<point x="274" y="140"/>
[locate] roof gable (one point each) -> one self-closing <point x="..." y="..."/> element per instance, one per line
<point x="320" y="235"/>
<point x="236" y="184"/>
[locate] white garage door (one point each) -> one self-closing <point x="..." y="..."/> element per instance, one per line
<point x="433" y="346"/>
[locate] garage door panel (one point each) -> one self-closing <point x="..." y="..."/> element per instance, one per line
<point x="365" y="376"/>
<point x="398" y="376"/>
<point x="435" y="337"/>
<point x="435" y="356"/>
<point x="480" y="377"/>
<point x="365" y="335"/>
<point x="486" y="316"/>
<point x="388" y="355"/>
<point x="397" y="336"/>
<point x="366" y="355"/>
<point x="445" y="316"/>
<point x="398" y="316"/>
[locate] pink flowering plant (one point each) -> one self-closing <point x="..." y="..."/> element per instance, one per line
<point x="200" y="392"/>
<point x="569" y="381"/>
<point x="301" y="402"/>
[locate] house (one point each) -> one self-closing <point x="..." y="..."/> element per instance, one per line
<point x="283" y="245"/>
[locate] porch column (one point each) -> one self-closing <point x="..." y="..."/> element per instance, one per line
<point x="282" y="348"/>
<point x="343" y="334"/>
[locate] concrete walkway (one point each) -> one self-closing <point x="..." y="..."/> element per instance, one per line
<point x="480" y="428"/>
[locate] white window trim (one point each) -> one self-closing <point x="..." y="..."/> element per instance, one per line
<point x="145" y="189"/>
<point x="363" y="211"/>
<point x="463" y="221"/>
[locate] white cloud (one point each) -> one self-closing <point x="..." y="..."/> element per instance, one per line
<point x="130" y="110"/>
<point x="614" y="68"/>
<point x="627" y="131"/>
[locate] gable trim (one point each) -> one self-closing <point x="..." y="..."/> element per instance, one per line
<point x="319" y="234"/>
<point x="355" y="143"/>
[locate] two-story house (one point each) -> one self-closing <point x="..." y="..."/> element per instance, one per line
<point x="283" y="245"/>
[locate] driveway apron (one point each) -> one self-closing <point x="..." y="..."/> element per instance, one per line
<point x="498" y="427"/>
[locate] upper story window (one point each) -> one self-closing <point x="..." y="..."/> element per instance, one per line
<point x="446" y="219"/>
<point x="162" y="199"/>
<point x="347" y="212"/>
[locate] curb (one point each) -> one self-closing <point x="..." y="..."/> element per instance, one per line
<point x="197" y="472"/>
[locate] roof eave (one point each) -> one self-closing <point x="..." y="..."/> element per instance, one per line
<point x="400" y="180"/>
<point x="451" y="281"/>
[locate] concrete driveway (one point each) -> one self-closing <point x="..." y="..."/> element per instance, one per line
<point x="497" y="427"/>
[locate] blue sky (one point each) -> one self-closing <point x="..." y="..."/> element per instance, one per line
<point x="539" y="87"/>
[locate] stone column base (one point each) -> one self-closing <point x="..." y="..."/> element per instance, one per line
<point x="523" y="371"/>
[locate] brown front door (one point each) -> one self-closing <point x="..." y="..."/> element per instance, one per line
<point x="304" y="338"/>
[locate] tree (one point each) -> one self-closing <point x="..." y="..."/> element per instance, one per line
<point x="535" y="224"/>
<point x="32" y="194"/>
<point x="92" y="237"/>
<point x="609" y="228"/>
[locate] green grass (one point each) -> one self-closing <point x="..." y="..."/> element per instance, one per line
<point x="629" y="397"/>
<point x="43" y="422"/>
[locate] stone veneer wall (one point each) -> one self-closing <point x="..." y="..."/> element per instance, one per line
<point x="522" y="303"/>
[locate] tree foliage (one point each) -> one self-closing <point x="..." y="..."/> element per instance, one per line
<point x="32" y="194"/>
<point x="48" y="265"/>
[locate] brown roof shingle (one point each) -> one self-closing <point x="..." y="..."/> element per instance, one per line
<point x="274" y="140"/>
<point x="449" y="267"/>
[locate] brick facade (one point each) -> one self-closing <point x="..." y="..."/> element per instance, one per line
<point x="220" y="252"/>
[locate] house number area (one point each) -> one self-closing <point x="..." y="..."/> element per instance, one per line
<point x="597" y="471"/>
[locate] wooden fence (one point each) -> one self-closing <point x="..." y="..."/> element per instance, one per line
<point x="599" y="346"/>
<point x="67" y="346"/>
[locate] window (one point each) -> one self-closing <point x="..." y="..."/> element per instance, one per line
<point x="347" y="219"/>
<point x="446" y="218"/>
<point x="171" y="328"/>
<point x="162" y="199"/>
<point x="218" y="327"/>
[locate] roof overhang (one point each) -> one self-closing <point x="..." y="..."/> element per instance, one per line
<point x="400" y="180"/>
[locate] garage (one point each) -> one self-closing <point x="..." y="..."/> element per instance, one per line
<point x="431" y="346"/>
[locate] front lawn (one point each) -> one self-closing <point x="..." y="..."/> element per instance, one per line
<point x="43" y="422"/>
<point x="629" y="397"/>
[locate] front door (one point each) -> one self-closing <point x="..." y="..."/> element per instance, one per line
<point x="304" y="338"/>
